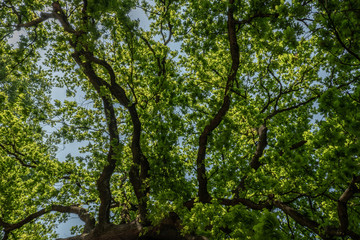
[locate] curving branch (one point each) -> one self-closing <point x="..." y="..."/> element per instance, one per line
<point x="137" y="176"/>
<point x="337" y="34"/>
<point x="103" y="183"/>
<point x="203" y="193"/>
<point x="81" y="212"/>
<point x="43" y="17"/>
<point x="298" y="217"/>
<point x="327" y="232"/>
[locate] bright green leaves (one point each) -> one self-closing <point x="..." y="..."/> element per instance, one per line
<point x="235" y="222"/>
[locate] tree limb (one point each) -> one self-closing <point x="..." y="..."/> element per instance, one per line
<point x="137" y="175"/>
<point x="259" y="15"/>
<point x="246" y="202"/>
<point x="298" y="217"/>
<point x="16" y="154"/>
<point x="337" y="34"/>
<point x="294" y="146"/>
<point x="203" y="193"/>
<point x="261" y="145"/>
<point x="43" y="17"/>
<point x="290" y="108"/>
<point x="342" y="203"/>
<point x="81" y="212"/>
<point x="103" y="183"/>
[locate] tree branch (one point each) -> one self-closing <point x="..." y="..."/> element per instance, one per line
<point x="246" y="202"/>
<point x="261" y="145"/>
<point x="337" y="35"/>
<point x="103" y="183"/>
<point x="290" y="108"/>
<point x="137" y="175"/>
<point x="16" y="154"/>
<point x="342" y="203"/>
<point x="203" y="193"/>
<point x="43" y="17"/>
<point x="325" y="232"/>
<point x="298" y="217"/>
<point x="137" y="178"/>
<point x="259" y="15"/>
<point x="81" y="212"/>
<point x="295" y="146"/>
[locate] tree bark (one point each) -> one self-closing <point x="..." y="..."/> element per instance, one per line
<point x="169" y="228"/>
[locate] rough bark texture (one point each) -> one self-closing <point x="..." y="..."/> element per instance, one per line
<point x="169" y="228"/>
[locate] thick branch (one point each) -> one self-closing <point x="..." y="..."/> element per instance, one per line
<point x="81" y="212"/>
<point x="203" y="193"/>
<point x="298" y="217"/>
<point x="138" y="181"/>
<point x="103" y="183"/>
<point x="137" y="178"/>
<point x="342" y="203"/>
<point x="295" y="146"/>
<point x="262" y="131"/>
<point x="246" y="202"/>
<point x="58" y="14"/>
<point x="234" y="47"/>
<point x="43" y="17"/>
<point x="326" y="232"/>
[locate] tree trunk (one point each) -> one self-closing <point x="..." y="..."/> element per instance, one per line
<point x="170" y="228"/>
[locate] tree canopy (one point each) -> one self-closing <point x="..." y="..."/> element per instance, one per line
<point x="220" y="120"/>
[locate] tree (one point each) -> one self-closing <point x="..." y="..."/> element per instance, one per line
<point x="223" y="119"/>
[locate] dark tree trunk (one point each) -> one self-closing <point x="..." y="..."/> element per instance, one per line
<point x="170" y="228"/>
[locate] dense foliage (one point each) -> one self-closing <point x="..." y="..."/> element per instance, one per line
<point x="204" y="119"/>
